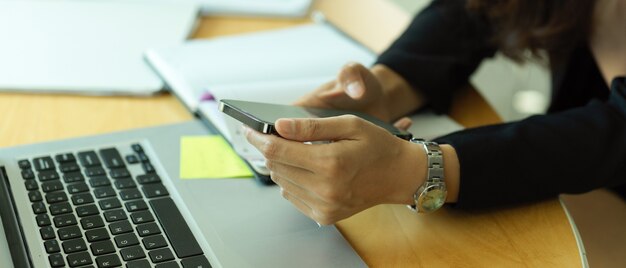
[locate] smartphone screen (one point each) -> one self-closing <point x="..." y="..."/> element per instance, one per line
<point x="261" y="116"/>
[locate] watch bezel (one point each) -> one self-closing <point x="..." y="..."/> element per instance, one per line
<point x="425" y="193"/>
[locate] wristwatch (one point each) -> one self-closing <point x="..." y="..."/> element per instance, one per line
<point x="432" y="194"/>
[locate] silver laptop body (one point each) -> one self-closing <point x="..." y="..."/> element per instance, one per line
<point x="235" y="222"/>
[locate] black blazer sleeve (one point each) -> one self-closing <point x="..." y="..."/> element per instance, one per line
<point x="573" y="151"/>
<point x="440" y="49"/>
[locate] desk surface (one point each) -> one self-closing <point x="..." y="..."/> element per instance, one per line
<point x="387" y="235"/>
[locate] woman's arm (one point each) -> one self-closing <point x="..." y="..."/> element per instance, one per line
<point x="439" y="50"/>
<point x="573" y="151"/>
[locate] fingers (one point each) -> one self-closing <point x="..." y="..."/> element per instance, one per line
<point x="321" y="212"/>
<point x="345" y="127"/>
<point x="281" y="150"/>
<point x="301" y="206"/>
<point x="403" y="123"/>
<point x="298" y="176"/>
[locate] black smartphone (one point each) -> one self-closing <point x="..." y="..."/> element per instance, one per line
<point x="261" y="116"/>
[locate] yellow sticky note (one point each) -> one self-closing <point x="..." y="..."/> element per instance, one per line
<point x="204" y="157"/>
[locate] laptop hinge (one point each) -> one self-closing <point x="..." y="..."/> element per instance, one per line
<point x="10" y="221"/>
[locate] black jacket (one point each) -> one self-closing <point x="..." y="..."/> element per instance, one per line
<point x="578" y="146"/>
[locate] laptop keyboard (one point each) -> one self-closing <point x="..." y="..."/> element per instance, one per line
<point x="96" y="208"/>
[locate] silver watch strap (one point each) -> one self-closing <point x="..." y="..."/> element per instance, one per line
<point x="435" y="161"/>
<point x="434" y="177"/>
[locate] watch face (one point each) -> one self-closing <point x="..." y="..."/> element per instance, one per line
<point x="432" y="198"/>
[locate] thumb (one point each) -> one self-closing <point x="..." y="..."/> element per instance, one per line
<point x="345" y="127"/>
<point x="351" y="79"/>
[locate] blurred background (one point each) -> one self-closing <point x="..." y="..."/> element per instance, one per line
<point x="514" y="90"/>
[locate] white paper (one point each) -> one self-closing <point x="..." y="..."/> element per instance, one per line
<point x="294" y="54"/>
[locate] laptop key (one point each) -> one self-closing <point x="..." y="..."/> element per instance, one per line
<point x="154" y="190"/>
<point x="97" y="235"/>
<point x="81" y="199"/>
<point x="120" y="227"/>
<point x="52" y="246"/>
<point x="143" y="158"/>
<point x="138" y="264"/>
<point x="108" y="261"/>
<point x="48" y="175"/>
<point x="47" y="232"/>
<point x="119" y="173"/>
<point x="126" y="240"/>
<point x="39" y="208"/>
<point x="42" y="220"/>
<point x="60" y="208"/>
<point x="73" y="177"/>
<point x="196" y="262"/>
<point x="91" y="222"/>
<point x="148" y="229"/>
<point x="88" y="159"/>
<point x="56" y="197"/>
<point x="111" y="158"/>
<point x="104" y="192"/>
<point x="137" y="148"/>
<point x="65" y="158"/>
<point x="169" y="264"/>
<point x="75" y="245"/>
<point x="56" y="260"/>
<point x="142" y="217"/>
<point x="44" y="163"/>
<point x="125" y="184"/>
<point x="28" y="174"/>
<point x="79" y="259"/>
<point x="132" y="253"/>
<point x="155" y="241"/>
<point x="130" y="194"/>
<point x="132" y="159"/>
<point x="102" y="247"/>
<point x="68" y="233"/>
<point x="87" y="210"/>
<point x="175" y="227"/>
<point x="137" y="205"/>
<point x="31" y="185"/>
<point x="161" y="255"/>
<point x="24" y="164"/>
<point x="110" y="203"/>
<point x="75" y="188"/>
<point x="99" y="181"/>
<point x="148" y="178"/>
<point x="51" y="186"/>
<point x="69" y="167"/>
<point x="64" y="220"/>
<point x="94" y="171"/>
<point x="34" y="196"/>
<point x="148" y="168"/>
<point x="115" y="215"/>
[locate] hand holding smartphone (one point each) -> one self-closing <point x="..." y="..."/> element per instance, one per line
<point x="261" y="116"/>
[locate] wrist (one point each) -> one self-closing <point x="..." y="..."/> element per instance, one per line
<point x="414" y="176"/>
<point x="399" y="96"/>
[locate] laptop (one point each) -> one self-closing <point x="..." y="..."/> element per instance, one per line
<point x="116" y="200"/>
<point x="87" y="47"/>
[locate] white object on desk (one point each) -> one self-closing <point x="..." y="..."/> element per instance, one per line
<point x="87" y="47"/>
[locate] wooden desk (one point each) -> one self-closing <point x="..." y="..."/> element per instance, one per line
<point x="384" y="236"/>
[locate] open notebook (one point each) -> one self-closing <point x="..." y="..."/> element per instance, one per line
<point x="275" y="66"/>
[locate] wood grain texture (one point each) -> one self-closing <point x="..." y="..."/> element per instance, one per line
<point x="537" y="235"/>
<point x="29" y="118"/>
